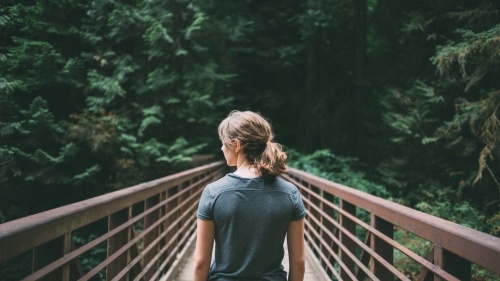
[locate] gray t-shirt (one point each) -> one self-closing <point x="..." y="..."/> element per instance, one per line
<point x="251" y="216"/>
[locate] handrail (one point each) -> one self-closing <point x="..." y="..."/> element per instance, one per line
<point x="161" y="210"/>
<point x="331" y="231"/>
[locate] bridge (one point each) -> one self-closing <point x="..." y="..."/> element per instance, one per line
<point x="147" y="232"/>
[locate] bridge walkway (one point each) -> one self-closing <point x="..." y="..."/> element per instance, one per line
<point x="186" y="270"/>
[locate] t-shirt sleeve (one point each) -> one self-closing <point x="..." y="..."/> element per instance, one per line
<point x="299" y="209"/>
<point x="205" y="206"/>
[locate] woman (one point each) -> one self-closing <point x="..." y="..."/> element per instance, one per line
<point x="249" y="212"/>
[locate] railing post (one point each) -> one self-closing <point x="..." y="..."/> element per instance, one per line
<point x="453" y="264"/>
<point x="350" y="226"/>
<point x="169" y="221"/>
<point x="178" y="214"/>
<point x="185" y="206"/>
<point x="307" y="206"/>
<point x="329" y="211"/>
<point x="163" y="225"/>
<point x="321" y="220"/>
<point x="47" y="253"/>
<point x="381" y="247"/>
<point x="314" y="213"/>
<point x="116" y="242"/>
<point x="152" y="235"/>
<point x="323" y="237"/>
<point x="66" y="249"/>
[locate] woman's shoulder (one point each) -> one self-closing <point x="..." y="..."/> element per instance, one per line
<point x="286" y="185"/>
<point x="220" y="185"/>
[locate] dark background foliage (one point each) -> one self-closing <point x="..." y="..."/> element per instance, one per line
<point x="396" y="98"/>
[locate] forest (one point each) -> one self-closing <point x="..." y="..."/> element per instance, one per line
<point x="400" y="99"/>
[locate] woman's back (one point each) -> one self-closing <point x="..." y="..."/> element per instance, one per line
<point x="251" y="217"/>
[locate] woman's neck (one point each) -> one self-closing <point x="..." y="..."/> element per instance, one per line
<point x="246" y="170"/>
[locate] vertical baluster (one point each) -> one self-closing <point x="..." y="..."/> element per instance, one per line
<point x="149" y="220"/>
<point x="117" y="241"/>
<point x="316" y="214"/>
<point x="163" y="225"/>
<point x="438" y="259"/>
<point x="192" y="215"/>
<point x="308" y="208"/>
<point x="453" y="264"/>
<point x="170" y="220"/>
<point x="185" y="203"/>
<point x="322" y="234"/>
<point x="179" y="215"/>
<point x="328" y="211"/>
<point x="332" y="230"/>
<point x="382" y="248"/>
<point x="66" y="250"/>
<point x="350" y="226"/>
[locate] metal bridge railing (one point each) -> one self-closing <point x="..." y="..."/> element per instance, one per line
<point x="146" y="229"/>
<point x="142" y="229"/>
<point x="353" y="236"/>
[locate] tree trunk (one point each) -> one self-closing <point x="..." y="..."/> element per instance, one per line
<point x="360" y="85"/>
<point x="311" y="118"/>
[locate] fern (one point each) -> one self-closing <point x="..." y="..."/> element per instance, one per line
<point x="4" y="19"/>
<point x="483" y="45"/>
<point x="88" y="173"/>
<point x="200" y="18"/>
<point x="147" y="122"/>
<point x="159" y="79"/>
<point x="152" y="115"/>
<point x="409" y="113"/>
<point x="8" y="86"/>
<point x="9" y="129"/>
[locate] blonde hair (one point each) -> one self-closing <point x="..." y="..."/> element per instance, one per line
<point x="256" y="137"/>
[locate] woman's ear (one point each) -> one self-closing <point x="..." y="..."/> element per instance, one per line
<point x="237" y="147"/>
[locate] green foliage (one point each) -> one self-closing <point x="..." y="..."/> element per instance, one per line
<point x="402" y="262"/>
<point x="109" y="88"/>
<point x="477" y="51"/>
<point x="413" y="116"/>
<point x="152" y="116"/>
<point x="463" y="213"/>
<point x="168" y="71"/>
<point x="94" y="256"/>
<point x="484" y="45"/>
<point x="409" y="114"/>
<point x="343" y="170"/>
<point x="42" y="162"/>
<point x="97" y="96"/>
<point x="442" y="129"/>
<point x="16" y="268"/>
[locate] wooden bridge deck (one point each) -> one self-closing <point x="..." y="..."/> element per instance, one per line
<point x="312" y="274"/>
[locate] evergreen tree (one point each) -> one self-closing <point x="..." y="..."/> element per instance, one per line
<point x="445" y="122"/>
<point x="39" y="89"/>
<point x="100" y="96"/>
<point x="154" y="79"/>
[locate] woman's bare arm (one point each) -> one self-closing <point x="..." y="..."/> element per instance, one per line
<point x="296" y="254"/>
<point x="203" y="253"/>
